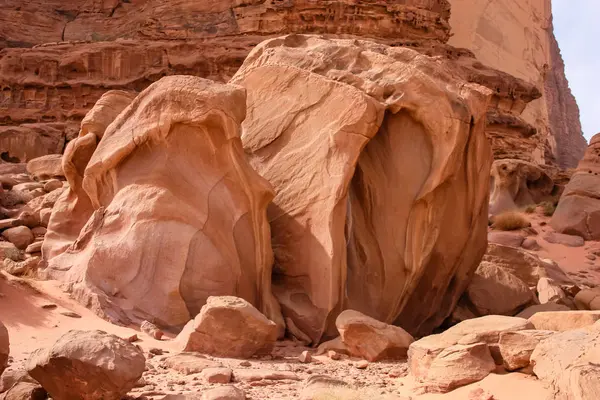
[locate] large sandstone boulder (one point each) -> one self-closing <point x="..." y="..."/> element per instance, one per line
<point x="578" y="211"/>
<point x="570" y="363"/>
<point x="229" y="327"/>
<point x="370" y="339"/>
<point x="496" y="291"/>
<point x="564" y="320"/>
<point x="4" y="347"/>
<point x="46" y="167"/>
<point x="468" y="352"/>
<point x="178" y="213"/>
<point x="588" y="299"/>
<point x="516" y="347"/>
<point x="20" y="236"/>
<point x="517" y="183"/>
<point x="376" y="154"/>
<point x="87" y="365"/>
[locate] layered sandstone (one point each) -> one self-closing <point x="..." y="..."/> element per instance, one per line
<point x="517" y="37"/>
<point x="168" y="208"/>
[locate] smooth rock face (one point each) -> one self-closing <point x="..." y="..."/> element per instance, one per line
<point x="224" y="393"/>
<point x="516" y="347"/>
<point x="87" y="365"/>
<point x="516" y="183"/>
<point x="512" y="239"/>
<point x="20" y="236"/>
<point x="569" y="362"/>
<point x="566" y="240"/>
<point x="25" y="391"/>
<point x="549" y="291"/>
<point x="578" y="211"/>
<point x="171" y="164"/>
<point x="371" y="339"/>
<point x="529" y="311"/>
<point x="229" y="327"/>
<point x="563" y="320"/>
<point x="189" y="363"/>
<point x="496" y="291"/>
<point x="4" y="347"/>
<point x="588" y="299"/>
<point x="310" y="153"/>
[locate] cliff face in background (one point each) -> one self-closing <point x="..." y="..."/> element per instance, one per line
<point x="516" y="37"/>
<point x="52" y="72"/>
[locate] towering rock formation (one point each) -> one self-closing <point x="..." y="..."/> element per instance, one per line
<point x="516" y="36"/>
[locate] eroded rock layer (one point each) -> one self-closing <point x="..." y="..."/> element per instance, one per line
<point x="376" y="229"/>
<point x="174" y="213"/>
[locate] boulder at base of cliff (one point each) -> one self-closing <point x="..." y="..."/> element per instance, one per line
<point x="87" y="365"/>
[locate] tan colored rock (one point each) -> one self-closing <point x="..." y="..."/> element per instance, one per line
<point x="469" y="336"/>
<point x="26" y="267"/>
<point x="347" y="231"/>
<point x="566" y="240"/>
<point x="564" y="320"/>
<point x="536" y="308"/>
<point x="10" y="251"/>
<point x="4" y="347"/>
<point x="371" y="339"/>
<point x="20" y="236"/>
<point x="189" y="363"/>
<point x="25" y="391"/>
<point x="87" y="365"/>
<point x="336" y="345"/>
<point x="186" y="131"/>
<point x="588" y="299"/>
<point x="512" y="239"/>
<point x="515" y="184"/>
<point x="457" y="366"/>
<point x="569" y="362"/>
<point x="151" y="330"/>
<point x="35" y="247"/>
<point x="45" y="167"/>
<point x="578" y="211"/>
<point x="217" y="375"/>
<point x="255" y="375"/>
<point x="549" y="292"/>
<point x="525" y="265"/>
<point x="229" y="327"/>
<point x="516" y="347"/>
<point x="531" y="244"/>
<point x="229" y="392"/>
<point x="495" y="291"/>
<point x="52" y="184"/>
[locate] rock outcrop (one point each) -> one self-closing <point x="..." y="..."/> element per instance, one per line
<point x="338" y="191"/>
<point x="4" y="347"/>
<point x="578" y="211"/>
<point x="178" y="214"/>
<point x="515" y="184"/>
<point x="87" y="365"/>
<point x="519" y="40"/>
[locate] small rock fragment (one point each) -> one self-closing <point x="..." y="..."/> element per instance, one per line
<point x="305" y="357"/>
<point x="151" y="330"/>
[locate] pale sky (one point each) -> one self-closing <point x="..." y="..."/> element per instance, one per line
<point x="577" y="29"/>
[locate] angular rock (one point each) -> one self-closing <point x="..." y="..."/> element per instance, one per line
<point x="517" y="183"/>
<point x="327" y="225"/>
<point x="578" y="211"/>
<point x="87" y="365"/>
<point x="566" y="240"/>
<point x="512" y="239"/>
<point x="588" y="299"/>
<point x="229" y="326"/>
<point x="18" y="268"/>
<point x="457" y="366"/>
<point x="549" y="291"/>
<point x="224" y="393"/>
<point x="151" y="330"/>
<point x="371" y="339"/>
<point x="4" y="347"/>
<point x="570" y="363"/>
<point x="203" y="203"/>
<point x="25" y="391"/>
<point x="516" y="347"/>
<point x="20" y="236"/>
<point x="45" y="167"/>
<point x="536" y="308"/>
<point x="190" y="363"/>
<point x="10" y="251"/>
<point x="217" y="375"/>
<point x="495" y="291"/>
<point x="563" y="320"/>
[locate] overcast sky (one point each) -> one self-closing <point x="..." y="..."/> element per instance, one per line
<point x="577" y="28"/>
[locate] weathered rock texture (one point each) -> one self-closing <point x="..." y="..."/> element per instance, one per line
<point x="176" y="215"/>
<point x="578" y="211"/>
<point x="313" y="105"/>
<point x="517" y="37"/>
<point x="128" y="45"/>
